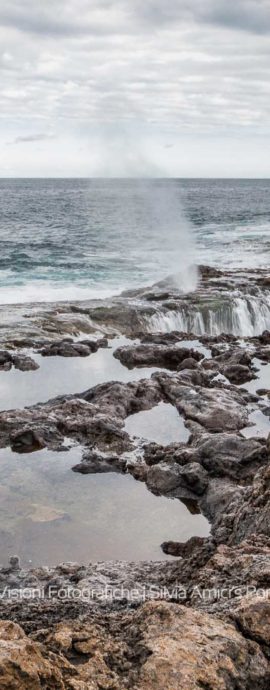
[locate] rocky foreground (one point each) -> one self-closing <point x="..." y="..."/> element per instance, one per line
<point x="202" y="620"/>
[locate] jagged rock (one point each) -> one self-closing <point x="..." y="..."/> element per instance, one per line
<point x="230" y="455"/>
<point x="190" y="480"/>
<point x="180" y="654"/>
<point x="216" y="409"/>
<point x="123" y="399"/>
<point x="264" y="338"/>
<point x="95" y="463"/>
<point x="238" y="373"/>
<point x="25" y="664"/>
<point x="263" y="353"/>
<point x="120" y="644"/>
<point x="188" y="363"/>
<point x="253" y="513"/>
<point x="252" y="616"/>
<point x="149" y="355"/>
<point x="19" y="361"/>
<point x="5" y="358"/>
<point x="68" y="348"/>
<point x="182" y="549"/>
<point x="160" y="647"/>
<point x="195" y="477"/>
<point x="27" y="441"/>
<point x="170" y="338"/>
<point x="24" y="363"/>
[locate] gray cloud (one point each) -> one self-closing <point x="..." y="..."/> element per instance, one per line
<point x="97" y="72"/>
<point x="30" y="138"/>
<point x="246" y="15"/>
<point x="65" y="18"/>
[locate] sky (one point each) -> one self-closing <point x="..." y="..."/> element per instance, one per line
<point x="176" y="88"/>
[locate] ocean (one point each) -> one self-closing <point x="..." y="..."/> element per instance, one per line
<point x="81" y="238"/>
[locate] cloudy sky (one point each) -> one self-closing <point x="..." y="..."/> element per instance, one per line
<point x="135" y="87"/>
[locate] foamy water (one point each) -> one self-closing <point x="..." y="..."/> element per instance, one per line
<point x="80" y="239"/>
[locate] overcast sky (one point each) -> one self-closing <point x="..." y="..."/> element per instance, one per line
<point x="135" y="87"/>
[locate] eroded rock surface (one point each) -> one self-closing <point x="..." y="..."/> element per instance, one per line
<point x="201" y="620"/>
<point x="68" y="348"/>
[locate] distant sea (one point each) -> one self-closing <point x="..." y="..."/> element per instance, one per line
<point x="79" y="238"/>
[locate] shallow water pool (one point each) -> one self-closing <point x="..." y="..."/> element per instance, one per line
<point x="162" y="424"/>
<point x="65" y="375"/>
<point x="50" y="514"/>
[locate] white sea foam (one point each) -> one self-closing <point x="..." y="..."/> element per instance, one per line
<point x="53" y="292"/>
<point x="242" y="316"/>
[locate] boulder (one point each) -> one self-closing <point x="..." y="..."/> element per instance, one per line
<point x="27" y="441"/>
<point x="152" y="355"/>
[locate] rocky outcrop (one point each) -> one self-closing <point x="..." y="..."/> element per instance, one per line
<point x="161" y="646"/>
<point x="19" y="361"/>
<point x="162" y="356"/>
<point x="96" y="463"/>
<point x="68" y="348"/>
<point x="201" y="620"/>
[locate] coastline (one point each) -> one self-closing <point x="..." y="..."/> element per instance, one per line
<point x="106" y="638"/>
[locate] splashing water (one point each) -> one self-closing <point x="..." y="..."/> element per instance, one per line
<point x="241" y="316"/>
<point x="80" y="239"/>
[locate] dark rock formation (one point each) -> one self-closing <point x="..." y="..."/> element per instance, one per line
<point x="68" y="348"/>
<point x="162" y="356"/>
<point x="209" y="627"/>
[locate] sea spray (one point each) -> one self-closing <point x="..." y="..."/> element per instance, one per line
<point x="152" y="213"/>
<point x="172" y="227"/>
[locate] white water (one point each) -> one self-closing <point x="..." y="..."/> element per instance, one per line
<point x="242" y="316"/>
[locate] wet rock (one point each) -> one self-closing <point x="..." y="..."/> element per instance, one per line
<point x="5" y="358"/>
<point x="211" y="364"/>
<point x="182" y="549"/>
<point x="27" y="441"/>
<point x="188" y="363"/>
<point x="68" y="348"/>
<point x="14" y="562"/>
<point x="238" y="373"/>
<point x="230" y="455"/>
<point x="195" y="477"/>
<point x="216" y="409"/>
<point x="19" y="361"/>
<point x="188" y="481"/>
<point x="94" y="463"/>
<point x="209" y="272"/>
<point x="234" y="363"/>
<point x="24" y="363"/>
<point x="252" y="514"/>
<point x="196" y="377"/>
<point x="164" y="478"/>
<point x="167" y="339"/>
<point x="122" y="399"/>
<point x="232" y="355"/>
<point x="264" y="338"/>
<point x="148" y="355"/>
<point x="6" y="366"/>
<point x="263" y="353"/>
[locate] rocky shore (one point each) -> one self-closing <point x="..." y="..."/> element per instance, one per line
<point x="202" y="619"/>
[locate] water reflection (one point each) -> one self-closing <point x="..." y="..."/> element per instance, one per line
<point x="49" y="514"/>
<point x="162" y="424"/>
<point x="65" y="375"/>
